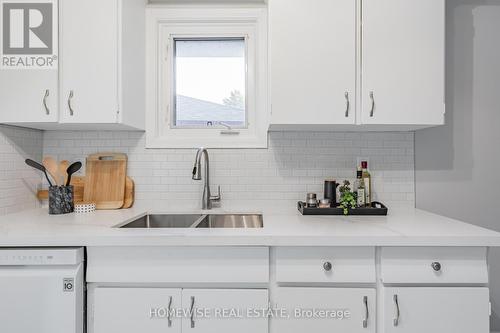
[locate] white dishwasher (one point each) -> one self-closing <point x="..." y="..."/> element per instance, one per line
<point x="42" y="290"/>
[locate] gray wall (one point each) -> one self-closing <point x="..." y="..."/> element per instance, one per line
<point x="457" y="165"/>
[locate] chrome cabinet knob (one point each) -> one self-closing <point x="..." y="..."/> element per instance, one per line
<point x="327" y="266"/>
<point x="436" y="266"/>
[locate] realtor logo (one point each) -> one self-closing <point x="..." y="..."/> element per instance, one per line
<point x="29" y="34"/>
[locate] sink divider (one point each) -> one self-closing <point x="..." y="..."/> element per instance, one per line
<point x="198" y="221"/>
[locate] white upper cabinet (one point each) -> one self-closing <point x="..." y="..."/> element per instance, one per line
<point x="89" y="50"/>
<point x="313" y="61"/>
<point x="28" y="67"/>
<point x="100" y="80"/>
<point x="403" y="67"/>
<point x="102" y="62"/>
<point x="28" y="96"/>
<point x="387" y="55"/>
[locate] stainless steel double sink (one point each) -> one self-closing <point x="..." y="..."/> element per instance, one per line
<point x="197" y="221"/>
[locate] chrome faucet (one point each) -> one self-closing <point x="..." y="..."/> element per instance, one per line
<point x="207" y="199"/>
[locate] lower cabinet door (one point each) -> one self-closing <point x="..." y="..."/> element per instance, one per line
<point x="224" y="310"/>
<point x="439" y="310"/>
<point x="324" y="310"/>
<point x="132" y="310"/>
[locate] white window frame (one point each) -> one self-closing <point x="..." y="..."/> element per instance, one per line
<point x="165" y="23"/>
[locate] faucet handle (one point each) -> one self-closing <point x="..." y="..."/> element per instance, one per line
<point x="217" y="197"/>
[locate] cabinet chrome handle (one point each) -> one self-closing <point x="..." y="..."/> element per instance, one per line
<point x="47" y="110"/>
<point x="71" y="94"/>
<point x="348" y="104"/>
<point x="436" y="266"/>
<point x="365" y="320"/>
<point x="396" y="304"/>
<point x="192" y="312"/>
<point x="169" y="315"/>
<point x="327" y="266"/>
<point x="373" y="104"/>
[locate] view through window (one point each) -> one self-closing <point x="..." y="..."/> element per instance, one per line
<point x="210" y="83"/>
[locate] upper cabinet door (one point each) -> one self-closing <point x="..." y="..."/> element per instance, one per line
<point x="28" y="96"/>
<point x="235" y="301"/>
<point x="403" y="62"/>
<point x="29" y="80"/>
<point x="313" y="61"/>
<point x="89" y="66"/>
<point x="440" y="310"/>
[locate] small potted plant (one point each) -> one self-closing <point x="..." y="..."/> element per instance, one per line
<point x="347" y="197"/>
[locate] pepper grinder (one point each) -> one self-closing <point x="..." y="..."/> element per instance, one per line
<point x="331" y="191"/>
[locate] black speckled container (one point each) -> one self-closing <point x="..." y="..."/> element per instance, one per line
<point x="61" y="200"/>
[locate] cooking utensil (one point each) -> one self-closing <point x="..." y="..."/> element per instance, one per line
<point x="105" y="180"/>
<point x="40" y="167"/>
<point x="52" y="168"/>
<point x="63" y="166"/>
<point x="73" y="168"/>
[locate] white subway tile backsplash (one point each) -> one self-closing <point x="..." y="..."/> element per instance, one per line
<point x="18" y="182"/>
<point x="294" y="163"/>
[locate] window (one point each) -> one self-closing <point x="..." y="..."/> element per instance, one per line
<point x="206" y="78"/>
<point x="210" y="82"/>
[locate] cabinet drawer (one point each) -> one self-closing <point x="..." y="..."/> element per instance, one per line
<point x="434" y="265"/>
<point x="310" y="265"/>
<point x="180" y="265"/>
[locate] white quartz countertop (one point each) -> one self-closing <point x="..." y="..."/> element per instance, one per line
<point x="402" y="227"/>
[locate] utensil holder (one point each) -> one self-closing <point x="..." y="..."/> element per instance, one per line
<point x="61" y="200"/>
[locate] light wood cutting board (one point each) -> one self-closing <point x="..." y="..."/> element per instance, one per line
<point x="129" y="193"/>
<point x="105" y="179"/>
<point x="79" y="185"/>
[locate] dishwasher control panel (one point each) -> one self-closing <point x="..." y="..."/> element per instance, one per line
<point x="41" y="256"/>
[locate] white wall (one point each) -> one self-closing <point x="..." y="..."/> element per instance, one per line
<point x="457" y="165"/>
<point x="294" y="164"/>
<point x="18" y="182"/>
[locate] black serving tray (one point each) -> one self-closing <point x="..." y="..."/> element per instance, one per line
<point x="376" y="208"/>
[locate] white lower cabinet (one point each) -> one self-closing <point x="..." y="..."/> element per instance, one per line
<point x="312" y="290"/>
<point x="225" y="310"/>
<point x="132" y="310"/>
<point x="152" y="310"/>
<point x="433" y="309"/>
<point x="322" y="310"/>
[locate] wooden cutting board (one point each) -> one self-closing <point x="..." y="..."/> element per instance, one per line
<point x="79" y="186"/>
<point x="129" y="193"/>
<point x="105" y="179"/>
